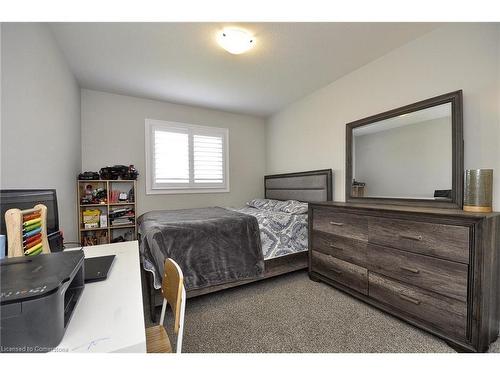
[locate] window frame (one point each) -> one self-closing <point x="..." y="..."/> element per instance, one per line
<point x="191" y="129"/>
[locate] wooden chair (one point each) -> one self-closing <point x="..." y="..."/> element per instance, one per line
<point x="174" y="294"/>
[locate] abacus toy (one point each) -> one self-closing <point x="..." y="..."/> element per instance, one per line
<point x="27" y="231"/>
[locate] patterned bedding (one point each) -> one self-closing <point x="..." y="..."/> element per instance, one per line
<point x="281" y="233"/>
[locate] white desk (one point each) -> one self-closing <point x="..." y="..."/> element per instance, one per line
<point x="109" y="316"/>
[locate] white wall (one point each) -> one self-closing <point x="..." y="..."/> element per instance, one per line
<point x="40" y="118"/>
<point x="113" y="133"/>
<point x="406" y="162"/>
<point x="310" y="133"/>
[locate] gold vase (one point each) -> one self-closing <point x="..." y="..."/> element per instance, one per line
<point x="478" y="194"/>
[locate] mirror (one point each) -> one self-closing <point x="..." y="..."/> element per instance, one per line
<point x="408" y="155"/>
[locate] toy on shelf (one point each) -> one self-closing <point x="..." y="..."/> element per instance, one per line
<point x="91" y="218"/>
<point x="94" y="196"/>
<point x="119" y="172"/>
<point x="88" y="176"/>
<point x="122" y="216"/>
<point x="95" y="238"/>
<point x="126" y="236"/>
<point x="27" y="231"/>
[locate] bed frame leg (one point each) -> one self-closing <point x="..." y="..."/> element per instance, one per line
<point x="151" y="294"/>
<point x="314" y="278"/>
<point x="152" y="312"/>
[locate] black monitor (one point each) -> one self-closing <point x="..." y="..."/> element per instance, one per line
<point x="27" y="198"/>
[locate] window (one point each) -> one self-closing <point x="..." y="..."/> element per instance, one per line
<point x="185" y="158"/>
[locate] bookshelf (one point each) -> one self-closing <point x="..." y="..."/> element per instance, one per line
<point x="107" y="210"/>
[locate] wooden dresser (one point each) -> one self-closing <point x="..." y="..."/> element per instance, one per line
<point x="437" y="269"/>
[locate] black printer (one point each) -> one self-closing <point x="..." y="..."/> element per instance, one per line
<point x="38" y="296"/>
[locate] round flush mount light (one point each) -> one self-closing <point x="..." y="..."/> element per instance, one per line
<point x="235" y="41"/>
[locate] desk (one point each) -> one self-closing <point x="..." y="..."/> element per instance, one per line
<point x="109" y="316"/>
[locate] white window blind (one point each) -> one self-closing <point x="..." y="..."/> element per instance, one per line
<point x="171" y="157"/>
<point x="208" y="159"/>
<point x="183" y="158"/>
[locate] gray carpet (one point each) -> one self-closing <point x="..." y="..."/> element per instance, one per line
<point x="290" y="313"/>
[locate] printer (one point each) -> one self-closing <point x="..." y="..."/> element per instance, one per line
<point x="38" y="297"/>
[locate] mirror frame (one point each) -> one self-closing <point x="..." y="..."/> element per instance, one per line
<point x="455" y="98"/>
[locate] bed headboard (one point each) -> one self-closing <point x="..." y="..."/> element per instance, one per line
<point x="302" y="186"/>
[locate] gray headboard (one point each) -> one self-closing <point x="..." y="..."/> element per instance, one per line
<point x="302" y="186"/>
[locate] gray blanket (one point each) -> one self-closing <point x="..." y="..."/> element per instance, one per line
<point x="211" y="245"/>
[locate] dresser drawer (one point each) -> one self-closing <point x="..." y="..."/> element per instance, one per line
<point x="348" y="249"/>
<point x="442" y="313"/>
<point x="345" y="273"/>
<point x="440" y="240"/>
<point x="441" y="276"/>
<point x="340" y="224"/>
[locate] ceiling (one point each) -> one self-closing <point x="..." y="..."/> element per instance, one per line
<point x="181" y="62"/>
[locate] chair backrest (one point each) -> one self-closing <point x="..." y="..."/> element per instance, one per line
<point x="172" y="286"/>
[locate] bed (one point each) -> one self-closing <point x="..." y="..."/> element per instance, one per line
<point x="220" y="248"/>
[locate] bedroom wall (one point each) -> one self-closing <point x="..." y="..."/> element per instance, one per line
<point x="113" y="133"/>
<point x="310" y="133"/>
<point x="40" y="140"/>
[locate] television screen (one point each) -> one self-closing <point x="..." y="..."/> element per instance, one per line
<point x="24" y="199"/>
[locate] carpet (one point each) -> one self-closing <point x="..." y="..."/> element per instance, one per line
<point x="290" y="314"/>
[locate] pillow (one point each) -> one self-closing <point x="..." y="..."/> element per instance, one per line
<point x="292" y="207"/>
<point x="263" y="204"/>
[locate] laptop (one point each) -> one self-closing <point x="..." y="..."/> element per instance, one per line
<point x="97" y="268"/>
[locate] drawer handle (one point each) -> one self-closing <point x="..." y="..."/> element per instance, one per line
<point x="412" y="270"/>
<point x="332" y="245"/>
<point x="410" y="237"/>
<point x="336" y="271"/>
<point x="336" y="223"/>
<point x="409" y="299"/>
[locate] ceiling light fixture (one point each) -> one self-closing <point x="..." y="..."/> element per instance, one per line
<point x="235" y="41"/>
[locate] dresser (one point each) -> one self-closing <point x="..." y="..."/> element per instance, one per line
<point x="437" y="269"/>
